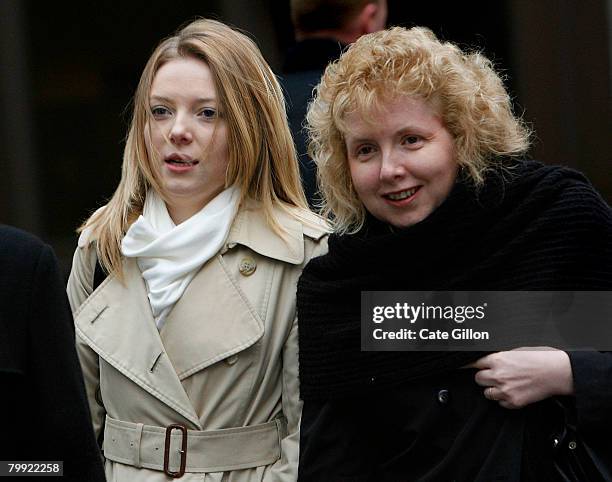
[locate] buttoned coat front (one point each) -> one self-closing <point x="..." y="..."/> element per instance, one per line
<point x="226" y="356"/>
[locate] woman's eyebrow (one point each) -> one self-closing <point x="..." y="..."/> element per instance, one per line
<point x="205" y="100"/>
<point x="398" y="132"/>
<point x="200" y="100"/>
<point x="160" y="98"/>
<point x="357" y="140"/>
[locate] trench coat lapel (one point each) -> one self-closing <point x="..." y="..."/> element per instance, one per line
<point x="212" y="321"/>
<point x="116" y="321"/>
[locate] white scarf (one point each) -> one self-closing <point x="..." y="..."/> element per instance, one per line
<point x="168" y="255"/>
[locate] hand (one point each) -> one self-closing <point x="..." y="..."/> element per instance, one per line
<point x="526" y="375"/>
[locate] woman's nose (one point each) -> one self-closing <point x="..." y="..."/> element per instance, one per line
<point x="180" y="132"/>
<point x="392" y="166"/>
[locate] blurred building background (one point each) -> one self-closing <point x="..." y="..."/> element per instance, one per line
<point x="69" y="71"/>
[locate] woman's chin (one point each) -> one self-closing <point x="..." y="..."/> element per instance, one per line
<point x="401" y="221"/>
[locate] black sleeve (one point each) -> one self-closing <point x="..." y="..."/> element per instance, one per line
<point x="592" y="372"/>
<point x="63" y="424"/>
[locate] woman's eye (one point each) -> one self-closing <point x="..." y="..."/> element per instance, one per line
<point x="411" y="140"/>
<point x="364" y="151"/>
<point x="209" y="113"/>
<point x="159" y="111"/>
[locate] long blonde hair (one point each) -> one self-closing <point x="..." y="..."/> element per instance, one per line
<point x="466" y="90"/>
<point x="262" y="158"/>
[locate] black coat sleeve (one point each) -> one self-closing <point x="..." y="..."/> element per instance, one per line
<point x="592" y="373"/>
<point x="58" y="381"/>
<point x="43" y="409"/>
<point x="592" y="370"/>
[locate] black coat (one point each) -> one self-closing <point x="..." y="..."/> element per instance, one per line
<point x="415" y="416"/>
<point x="43" y="408"/>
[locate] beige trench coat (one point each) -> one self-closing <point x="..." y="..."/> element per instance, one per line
<point x="226" y="357"/>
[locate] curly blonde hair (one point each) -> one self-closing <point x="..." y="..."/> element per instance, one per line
<point x="464" y="87"/>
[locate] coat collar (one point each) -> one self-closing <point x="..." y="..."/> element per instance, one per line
<point x="251" y="229"/>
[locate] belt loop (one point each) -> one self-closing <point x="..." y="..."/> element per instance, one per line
<point x="138" y="437"/>
<point x="281" y="426"/>
<point x="281" y="433"/>
<point x="279" y="436"/>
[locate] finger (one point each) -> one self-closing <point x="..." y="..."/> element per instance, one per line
<point x="522" y="348"/>
<point x="484" y="362"/>
<point x="484" y="378"/>
<point x="534" y="348"/>
<point x="492" y="393"/>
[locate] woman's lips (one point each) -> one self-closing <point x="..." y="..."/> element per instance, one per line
<point x="401" y="198"/>
<point x="180" y="165"/>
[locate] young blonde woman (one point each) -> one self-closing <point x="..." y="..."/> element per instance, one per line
<point x="189" y="345"/>
<point x="421" y="168"/>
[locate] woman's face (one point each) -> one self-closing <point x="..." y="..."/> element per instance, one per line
<point x="187" y="135"/>
<point x="402" y="160"/>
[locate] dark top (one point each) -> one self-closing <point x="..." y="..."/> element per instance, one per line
<point x="416" y="416"/>
<point x="303" y="68"/>
<point x="43" y="407"/>
<point x="312" y="54"/>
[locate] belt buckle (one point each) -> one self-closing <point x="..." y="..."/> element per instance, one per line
<point x="183" y="451"/>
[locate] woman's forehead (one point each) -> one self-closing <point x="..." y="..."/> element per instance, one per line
<point x="398" y="106"/>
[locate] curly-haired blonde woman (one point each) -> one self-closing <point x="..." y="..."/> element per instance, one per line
<point x="420" y="163"/>
<point x="189" y="346"/>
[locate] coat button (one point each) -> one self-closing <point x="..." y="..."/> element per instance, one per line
<point x="231" y="359"/>
<point x="443" y="396"/>
<point x="572" y="445"/>
<point x="247" y="266"/>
